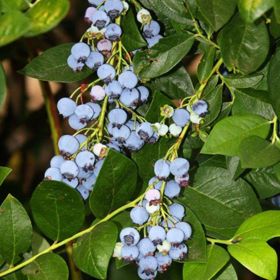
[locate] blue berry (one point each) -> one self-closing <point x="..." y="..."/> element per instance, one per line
<point x="80" y="51"/>
<point x="83" y="191"/>
<point x="172" y="189"/>
<point x="121" y="133"/>
<point x="89" y="182"/>
<point x="73" y="183"/>
<point x="139" y="215"/>
<point x="276" y="200"/>
<point x="150" y="275"/>
<point x="175" y="236"/>
<point x="95" y="108"/>
<point x="69" y="169"/>
<point x="153" y="41"/>
<point x="84" y="112"/>
<point x="132" y="124"/>
<point x="181" y="117"/>
<point x="154" y="138"/>
<point x="98" y="167"/>
<point x="144" y="93"/>
<point x="128" y="79"/>
<point x="100" y="19"/>
<point x="157" y="234"/>
<point x="76" y="123"/>
<point x="89" y="13"/>
<point x="186" y="228"/>
<point x="200" y="107"/>
<point x="183" y="181"/>
<point x="56" y="161"/>
<point x="179" y="167"/>
<point x="145" y="131"/>
<point x="133" y="142"/>
<point x="164" y="262"/>
<point x="117" y="117"/>
<point x="85" y="160"/>
<point x="94" y="60"/>
<point x="152" y="29"/>
<point x="113" y="89"/>
<point x="74" y="64"/>
<point x="66" y="107"/>
<point x="96" y="3"/>
<point x="68" y="145"/>
<point x="177" y="210"/>
<point x="129" y="253"/>
<point x="148" y="265"/>
<point x="104" y="46"/>
<point x="106" y="72"/>
<point x="113" y="8"/>
<point x="130" y="98"/>
<point x="53" y="173"/>
<point x="83" y="175"/>
<point x="146" y="247"/>
<point x="129" y="236"/>
<point x="162" y="169"/>
<point x="113" y="32"/>
<point x="178" y="253"/>
<point x="81" y="139"/>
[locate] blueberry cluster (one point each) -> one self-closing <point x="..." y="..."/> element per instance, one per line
<point x="165" y="232"/>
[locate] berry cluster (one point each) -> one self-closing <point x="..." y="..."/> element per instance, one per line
<point x="161" y="220"/>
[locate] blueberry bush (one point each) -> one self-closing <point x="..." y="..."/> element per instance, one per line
<point x="160" y="174"/>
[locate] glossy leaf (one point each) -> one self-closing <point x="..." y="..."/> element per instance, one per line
<point x="217" y="12"/>
<point x="226" y="136"/>
<point x="15" y="230"/>
<point x="113" y="187"/>
<point x="251" y="10"/>
<point x="218" y="193"/>
<point x="263" y="226"/>
<point x="12" y="5"/>
<point x="51" y="65"/>
<point x="217" y="257"/>
<point x="132" y="38"/>
<point x="13" y="25"/>
<point x="256" y="152"/>
<point x="92" y="253"/>
<point x="240" y="81"/>
<point x="48" y="266"/>
<point x="163" y="56"/>
<point x="257" y="256"/>
<point x="58" y="210"/>
<point x="39" y="243"/>
<point x="4" y="172"/>
<point x="45" y="15"/>
<point x="244" y="46"/>
<point x="228" y="273"/>
<point x="206" y="64"/>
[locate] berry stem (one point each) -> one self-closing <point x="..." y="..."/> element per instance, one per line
<point x="102" y="118"/>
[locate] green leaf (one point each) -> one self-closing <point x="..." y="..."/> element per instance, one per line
<point x="13" y="25"/>
<point x="217" y="12"/>
<point x="92" y="253"/>
<point x="176" y="85"/>
<point x="4" y="172"/>
<point x="217" y="257"/>
<point x="15" y="230"/>
<point x="274" y="81"/>
<point x="251" y="100"/>
<point x="228" y="273"/>
<point x="226" y="136"/>
<point x="240" y="81"/>
<point x="250" y="10"/>
<point x="11" y="5"/>
<point x="2" y="86"/>
<point x="132" y="38"/>
<point x="39" y="243"/>
<point x="263" y="226"/>
<point x="214" y="192"/>
<point x="257" y="256"/>
<point x="45" y="15"/>
<point x="206" y="64"/>
<point x="48" y="266"/>
<point x="256" y="152"/>
<point x="197" y="243"/>
<point x="51" y="65"/>
<point x="18" y="275"/>
<point x="234" y="167"/>
<point x="113" y="187"/>
<point x="244" y="46"/>
<point x="277" y="10"/>
<point x="163" y="56"/>
<point x="265" y="181"/>
<point x="58" y="210"/>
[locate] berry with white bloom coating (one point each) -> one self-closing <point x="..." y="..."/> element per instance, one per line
<point x="74" y="64"/>
<point x="56" y="161"/>
<point x="104" y="46"/>
<point x="83" y="191"/>
<point x="175" y="130"/>
<point x="144" y="93"/>
<point x="113" y="32"/>
<point x="106" y="72"/>
<point x="73" y="183"/>
<point x="113" y="8"/>
<point x="95" y="108"/>
<point x="145" y="131"/>
<point x="129" y="253"/>
<point x="162" y="169"/>
<point x="128" y="79"/>
<point x="68" y="145"/>
<point x="200" y="108"/>
<point x="53" y="173"/>
<point x="181" y="117"/>
<point x="186" y="228"/>
<point x="175" y="236"/>
<point x="157" y="234"/>
<point x="85" y="160"/>
<point x="139" y="215"/>
<point x="146" y="247"/>
<point x="129" y="236"/>
<point x="164" y="262"/>
<point x="97" y="93"/>
<point x="178" y="253"/>
<point x="76" y="123"/>
<point x="66" y="107"/>
<point x="100" y="19"/>
<point x="94" y="60"/>
<point x="151" y="29"/>
<point x="80" y="51"/>
<point x="84" y="112"/>
<point x="179" y="166"/>
<point x="69" y="169"/>
<point x="172" y="189"/>
<point x="177" y="210"/>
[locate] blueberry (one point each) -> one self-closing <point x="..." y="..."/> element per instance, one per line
<point x="83" y="175"/>
<point x="94" y="60"/>
<point x="181" y="117"/>
<point x="84" y="113"/>
<point x="73" y="183"/>
<point x="114" y="145"/>
<point x="90" y="182"/>
<point x="74" y="64"/>
<point x="113" y="89"/>
<point x="95" y="108"/>
<point x="80" y="51"/>
<point x="129" y="253"/>
<point x="139" y="215"/>
<point x="178" y="253"/>
<point x="69" y="169"/>
<point x="129" y="236"/>
<point x="113" y="8"/>
<point x="106" y="72"/>
<point x="66" y="107"/>
<point x="145" y="131"/>
<point x="97" y="93"/>
<point x="85" y="160"/>
<point x="68" y="145"/>
<point x="152" y="29"/>
<point x="175" y="130"/>
<point x="117" y="117"/>
<point x="152" y="195"/>
<point x="276" y="200"/>
<point x="104" y="46"/>
<point x="179" y="167"/>
<point x="76" y="123"/>
<point x="200" y="108"/>
<point x="134" y="142"/>
<point x="98" y="167"/>
<point x="148" y="264"/>
<point x="183" y="181"/>
<point x="186" y="228"/>
<point x="144" y="93"/>
<point x="177" y="210"/>
<point x="53" y="173"/>
<point x="113" y="32"/>
<point x="157" y="234"/>
<point x="153" y="40"/>
<point x="149" y="275"/>
<point x="146" y="247"/>
<point x="164" y="262"/>
<point x="132" y="124"/>
<point x="81" y="139"/>
<point x="172" y="189"/>
<point x="56" y="161"/>
<point x="83" y="191"/>
<point x="89" y="13"/>
<point x="175" y="236"/>
<point x="96" y="3"/>
<point x="128" y="79"/>
<point x="100" y="19"/>
<point x="154" y="138"/>
<point x="130" y="98"/>
<point x="162" y="169"/>
<point x="121" y="133"/>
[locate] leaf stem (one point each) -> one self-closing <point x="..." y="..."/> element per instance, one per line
<point x="219" y="241"/>
<point x="102" y="118"/>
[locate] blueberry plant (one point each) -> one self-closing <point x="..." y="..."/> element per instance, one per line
<point x="161" y="175"/>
